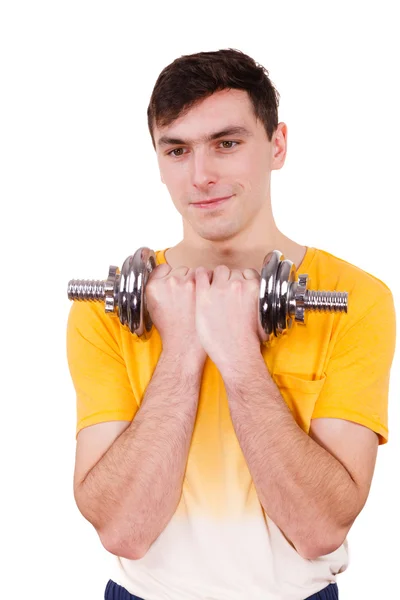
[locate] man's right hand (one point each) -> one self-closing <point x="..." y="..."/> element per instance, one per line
<point x="171" y="301"/>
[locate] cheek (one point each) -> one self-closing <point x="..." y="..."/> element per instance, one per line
<point x="256" y="177"/>
<point x="175" y="178"/>
<point x="248" y="170"/>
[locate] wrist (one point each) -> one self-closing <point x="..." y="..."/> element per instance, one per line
<point x="238" y="366"/>
<point x="184" y="360"/>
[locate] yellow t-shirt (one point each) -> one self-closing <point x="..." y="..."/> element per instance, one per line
<point x="220" y="543"/>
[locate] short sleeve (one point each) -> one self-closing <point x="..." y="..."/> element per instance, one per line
<point x="358" y="371"/>
<point x="97" y="367"/>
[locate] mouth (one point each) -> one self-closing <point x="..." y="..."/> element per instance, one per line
<point x="212" y="203"/>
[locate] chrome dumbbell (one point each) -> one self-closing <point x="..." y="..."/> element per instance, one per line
<point x="282" y="299"/>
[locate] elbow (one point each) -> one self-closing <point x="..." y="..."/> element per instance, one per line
<point x="314" y="552"/>
<point x="318" y="548"/>
<point x="121" y="548"/>
<point x="111" y="540"/>
<point x="108" y="533"/>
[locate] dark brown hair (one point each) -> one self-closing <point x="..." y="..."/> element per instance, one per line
<point x="194" y="77"/>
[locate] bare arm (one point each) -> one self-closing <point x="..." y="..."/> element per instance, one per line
<point x="313" y="487"/>
<point x="132" y="492"/>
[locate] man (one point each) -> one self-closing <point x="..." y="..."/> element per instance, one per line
<point x="214" y="463"/>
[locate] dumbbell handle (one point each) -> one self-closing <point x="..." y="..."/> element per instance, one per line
<point x="281" y="300"/>
<point x="95" y="290"/>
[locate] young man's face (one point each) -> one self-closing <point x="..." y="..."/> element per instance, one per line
<point x="236" y="164"/>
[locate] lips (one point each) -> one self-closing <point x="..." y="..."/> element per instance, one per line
<point x="212" y="200"/>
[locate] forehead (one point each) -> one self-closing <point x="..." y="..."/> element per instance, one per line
<point x="221" y="110"/>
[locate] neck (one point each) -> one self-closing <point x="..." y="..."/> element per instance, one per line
<point x="248" y="255"/>
<point x="208" y="246"/>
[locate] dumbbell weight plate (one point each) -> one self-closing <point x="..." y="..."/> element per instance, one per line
<point x="267" y="290"/>
<point x="132" y="305"/>
<point x="285" y="276"/>
<point x="277" y="275"/>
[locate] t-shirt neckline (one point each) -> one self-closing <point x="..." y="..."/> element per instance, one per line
<point x="305" y="263"/>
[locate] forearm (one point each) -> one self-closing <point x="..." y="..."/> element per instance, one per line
<point x="132" y="492"/>
<point x="306" y="492"/>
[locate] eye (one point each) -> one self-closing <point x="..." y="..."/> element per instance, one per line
<point x="175" y="150"/>
<point x="229" y="142"/>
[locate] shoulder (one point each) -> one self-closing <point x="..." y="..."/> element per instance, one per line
<point x="364" y="288"/>
<point x="370" y="300"/>
<point x="89" y="320"/>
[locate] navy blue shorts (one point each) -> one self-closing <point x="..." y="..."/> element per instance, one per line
<point x="114" y="591"/>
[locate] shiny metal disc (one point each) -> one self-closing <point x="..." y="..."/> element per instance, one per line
<point x="267" y="290"/>
<point x="131" y="299"/>
<point x="285" y="276"/>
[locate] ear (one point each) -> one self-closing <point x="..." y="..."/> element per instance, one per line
<point x="279" y="146"/>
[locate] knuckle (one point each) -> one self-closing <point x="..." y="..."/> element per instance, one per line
<point x="237" y="284"/>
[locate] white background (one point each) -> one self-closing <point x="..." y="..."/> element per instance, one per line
<point x="80" y="190"/>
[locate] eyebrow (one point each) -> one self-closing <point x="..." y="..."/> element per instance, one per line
<point x="230" y="130"/>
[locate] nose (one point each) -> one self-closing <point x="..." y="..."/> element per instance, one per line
<point x="203" y="169"/>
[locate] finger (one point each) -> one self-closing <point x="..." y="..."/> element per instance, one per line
<point x="180" y="271"/>
<point x="221" y="274"/>
<point x="251" y="274"/>
<point x="192" y="273"/>
<point x="235" y="274"/>
<point x="202" y="278"/>
<point x="160" y="271"/>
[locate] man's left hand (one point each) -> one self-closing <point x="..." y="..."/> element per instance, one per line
<point x="227" y="314"/>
